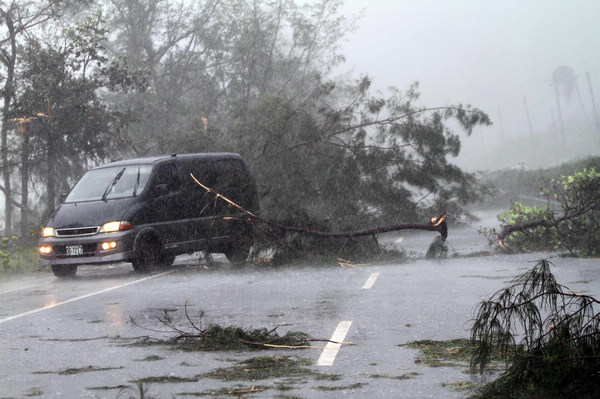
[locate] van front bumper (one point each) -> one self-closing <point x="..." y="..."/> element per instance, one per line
<point x="87" y="250"/>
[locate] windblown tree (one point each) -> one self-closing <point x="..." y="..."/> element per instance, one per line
<point x="372" y="160"/>
<point x="17" y="19"/>
<point x="59" y="87"/>
<point x="548" y="335"/>
<point x="20" y="21"/>
<point x="254" y="78"/>
<point x="251" y="77"/>
<point x="168" y="39"/>
<point x="210" y="63"/>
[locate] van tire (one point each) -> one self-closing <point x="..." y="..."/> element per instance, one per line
<point x="238" y="250"/>
<point x="236" y="256"/>
<point x="149" y="255"/>
<point x="64" y="271"/>
<point x="169" y="260"/>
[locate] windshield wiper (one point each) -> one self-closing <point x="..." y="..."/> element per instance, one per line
<point x="137" y="182"/>
<point x="112" y="184"/>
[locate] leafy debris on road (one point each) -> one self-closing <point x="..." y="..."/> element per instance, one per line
<point x="404" y="376"/>
<point x="267" y="367"/>
<point x="196" y="337"/>
<point x="451" y="353"/>
<point x="165" y="379"/>
<point x="235" y="391"/>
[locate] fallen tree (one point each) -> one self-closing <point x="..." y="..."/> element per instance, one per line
<point x="570" y="221"/>
<point x="436" y="224"/>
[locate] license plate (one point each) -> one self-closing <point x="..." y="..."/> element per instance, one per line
<point x="73" y="250"/>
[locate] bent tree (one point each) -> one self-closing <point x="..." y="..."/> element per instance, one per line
<point x="548" y="335"/>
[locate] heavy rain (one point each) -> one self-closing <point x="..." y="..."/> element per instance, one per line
<point x="299" y="199"/>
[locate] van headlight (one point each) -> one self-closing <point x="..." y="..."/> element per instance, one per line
<point x="48" y="232"/>
<point x="119" y="225"/>
<point x="45" y="250"/>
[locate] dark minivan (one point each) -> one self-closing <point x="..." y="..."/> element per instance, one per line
<point x="148" y="210"/>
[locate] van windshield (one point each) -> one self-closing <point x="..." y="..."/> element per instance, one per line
<point x="109" y="183"/>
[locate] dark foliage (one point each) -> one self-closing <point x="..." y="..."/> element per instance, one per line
<point x="547" y="334"/>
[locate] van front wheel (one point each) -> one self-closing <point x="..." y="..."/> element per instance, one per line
<point x="149" y="256"/>
<point x="64" y="271"/>
<point x="239" y="250"/>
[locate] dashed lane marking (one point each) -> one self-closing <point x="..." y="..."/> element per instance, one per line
<point x="17" y="316"/>
<point x="370" y="281"/>
<point x="331" y="349"/>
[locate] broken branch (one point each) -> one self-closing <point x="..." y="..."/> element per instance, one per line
<point x="532" y="224"/>
<point x="436" y="224"/>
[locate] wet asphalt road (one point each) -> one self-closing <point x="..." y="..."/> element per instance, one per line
<point x="50" y="326"/>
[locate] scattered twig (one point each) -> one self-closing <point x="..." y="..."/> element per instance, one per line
<point x="215" y="337"/>
<point x="251" y="390"/>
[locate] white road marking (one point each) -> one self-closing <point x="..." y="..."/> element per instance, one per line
<point x="370" y="281"/>
<point x="17" y="316"/>
<point x="331" y="349"/>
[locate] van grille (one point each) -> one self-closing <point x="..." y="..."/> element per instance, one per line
<point x="77" y="232"/>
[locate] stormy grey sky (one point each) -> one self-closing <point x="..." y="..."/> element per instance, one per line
<point x="490" y="54"/>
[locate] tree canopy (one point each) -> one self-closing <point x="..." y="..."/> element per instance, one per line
<point x="255" y="78"/>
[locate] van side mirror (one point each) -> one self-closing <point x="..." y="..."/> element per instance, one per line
<point x="159" y="190"/>
<point x="63" y="197"/>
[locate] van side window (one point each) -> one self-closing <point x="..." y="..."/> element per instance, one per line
<point x="167" y="174"/>
<point x="204" y="172"/>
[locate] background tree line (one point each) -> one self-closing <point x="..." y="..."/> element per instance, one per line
<point x="84" y="82"/>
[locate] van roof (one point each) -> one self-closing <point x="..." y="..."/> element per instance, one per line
<point x="213" y="156"/>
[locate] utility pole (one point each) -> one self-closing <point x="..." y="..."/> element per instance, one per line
<point x="553" y="121"/>
<point x="501" y="124"/>
<point x="589" y="81"/>
<point x="560" y="119"/>
<point x="528" y="118"/>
